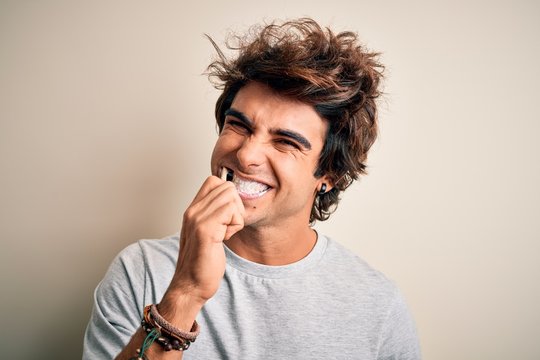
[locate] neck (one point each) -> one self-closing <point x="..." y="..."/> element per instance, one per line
<point x="273" y="246"/>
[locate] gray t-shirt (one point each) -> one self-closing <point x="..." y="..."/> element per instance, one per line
<point x="329" y="305"/>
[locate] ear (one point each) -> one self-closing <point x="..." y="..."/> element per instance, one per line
<point x="324" y="180"/>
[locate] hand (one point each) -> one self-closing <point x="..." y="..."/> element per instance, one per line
<point x="215" y="214"/>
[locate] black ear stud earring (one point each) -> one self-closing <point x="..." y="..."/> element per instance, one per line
<point x="323" y="189"/>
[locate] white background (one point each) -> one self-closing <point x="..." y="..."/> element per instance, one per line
<point x="106" y="129"/>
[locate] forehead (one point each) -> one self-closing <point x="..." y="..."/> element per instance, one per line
<point x="267" y="109"/>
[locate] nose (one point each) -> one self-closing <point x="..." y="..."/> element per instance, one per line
<point x="251" y="153"/>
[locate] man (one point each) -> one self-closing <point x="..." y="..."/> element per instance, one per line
<point x="296" y="119"/>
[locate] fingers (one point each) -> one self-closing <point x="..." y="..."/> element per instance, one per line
<point x="215" y="214"/>
<point x="223" y="194"/>
<point x="217" y="211"/>
<point x="225" y="222"/>
<point x="216" y="198"/>
<point x="233" y="229"/>
<point x="209" y="184"/>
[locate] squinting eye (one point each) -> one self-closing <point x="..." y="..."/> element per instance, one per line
<point x="237" y="125"/>
<point x="288" y="143"/>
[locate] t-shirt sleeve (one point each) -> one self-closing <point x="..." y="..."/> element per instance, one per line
<point x="117" y="306"/>
<point x="399" y="339"/>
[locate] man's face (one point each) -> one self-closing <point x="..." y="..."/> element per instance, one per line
<point x="273" y="145"/>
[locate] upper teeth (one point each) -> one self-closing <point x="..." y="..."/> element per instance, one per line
<point x="248" y="186"/>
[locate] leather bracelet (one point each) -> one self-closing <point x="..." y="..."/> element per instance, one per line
<point x="170" y="337"/>
<point x="159" y="320"/>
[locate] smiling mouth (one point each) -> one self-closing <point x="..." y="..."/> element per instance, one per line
<point x="249" y="189"/>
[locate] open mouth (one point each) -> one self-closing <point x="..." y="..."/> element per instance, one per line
<point x="249" y="189"/>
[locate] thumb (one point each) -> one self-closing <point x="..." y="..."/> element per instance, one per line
<point x="236" y="224"/>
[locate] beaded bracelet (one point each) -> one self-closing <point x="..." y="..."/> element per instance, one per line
<point x="168" y="336"/>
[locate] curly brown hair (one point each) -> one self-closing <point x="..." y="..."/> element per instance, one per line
<point x="332" y="72"/>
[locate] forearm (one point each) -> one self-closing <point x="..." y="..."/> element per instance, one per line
<point x="155" y="351"/>
<point x="177" y="309"/>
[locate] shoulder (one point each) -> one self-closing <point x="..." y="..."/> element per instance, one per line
<point x="158" y="251"/>
<point x="139" y="265"/>
<point x="369" y="289"/>
<point x="133" y="279"/>
<point x="360" y="285"/>
<point x="147" y="255"/>
<point x="148" y="249"/>
<point x="350" y="268"/>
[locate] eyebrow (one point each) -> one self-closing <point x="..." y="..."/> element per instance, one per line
<point x="240" y="116"/>
<point x="294" y="135"/>
<point x="281" y="132"/>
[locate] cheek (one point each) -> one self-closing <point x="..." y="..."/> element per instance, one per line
<point x="228" y="141"/>
<point x="217" y="152"/>
<point x="223" y="144"/>
<point x="292" y="170"/>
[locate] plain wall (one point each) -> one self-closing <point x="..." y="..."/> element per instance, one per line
<point x="106" y="130"/>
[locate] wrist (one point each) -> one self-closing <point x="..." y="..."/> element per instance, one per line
<point x="180" y="308"/>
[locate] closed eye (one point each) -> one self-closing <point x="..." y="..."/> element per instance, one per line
<point x="238" y="120"/>
<point x="288" y="143"/>
<point x="237" y="124"/>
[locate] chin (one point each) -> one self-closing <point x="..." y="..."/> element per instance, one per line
<point x="253" y="220"/>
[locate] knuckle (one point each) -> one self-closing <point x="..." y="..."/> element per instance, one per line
<point x="212" y="180"/>
<point x="189" y="214"/>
